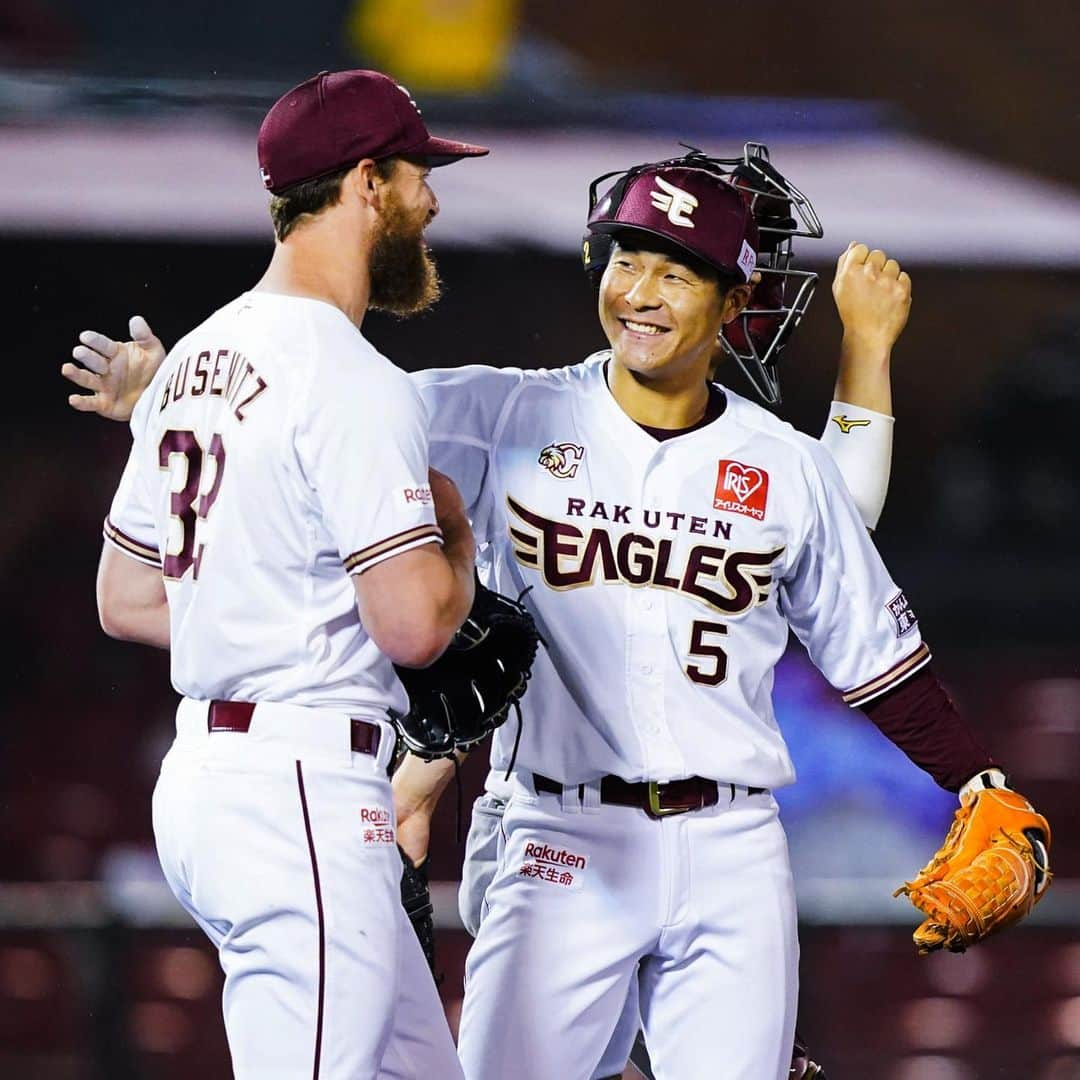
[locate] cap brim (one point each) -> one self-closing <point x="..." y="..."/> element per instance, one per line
<point x="614" y="227"/>
<point x="438" y="152"/>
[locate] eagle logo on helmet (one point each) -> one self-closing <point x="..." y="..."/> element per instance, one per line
<point x="561" y="459"/>
<point x="673" y="201"/>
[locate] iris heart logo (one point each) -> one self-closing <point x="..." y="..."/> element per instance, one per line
<point x="742" y="481"/>
<point x="741" y="489"/>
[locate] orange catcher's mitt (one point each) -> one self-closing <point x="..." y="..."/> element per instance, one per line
<point x="992" y="869"/>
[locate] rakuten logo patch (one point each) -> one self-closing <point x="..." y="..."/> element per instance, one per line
<point x="553" y="866"/>
<point x="556" y="856"/>
<point x="377" y="830"/>
<point x="420" y="495"/>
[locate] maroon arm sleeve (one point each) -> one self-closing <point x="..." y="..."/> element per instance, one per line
<point x="920" y="718"/>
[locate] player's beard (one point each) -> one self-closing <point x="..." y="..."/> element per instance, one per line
<point x="404" y="278"/>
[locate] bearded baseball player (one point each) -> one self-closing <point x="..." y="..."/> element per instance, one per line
<point x="671" y="532"/>
<point x="288" y="555"/>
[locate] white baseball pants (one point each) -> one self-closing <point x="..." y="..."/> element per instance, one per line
<point x="280" y="842"/>
<point x="700" y="906"/>
<point x="482" y="847"/>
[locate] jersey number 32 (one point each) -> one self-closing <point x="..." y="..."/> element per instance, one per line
<point x="191" y="495"/>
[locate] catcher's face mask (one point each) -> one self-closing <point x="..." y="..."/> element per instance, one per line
<point x="757" y="336"/>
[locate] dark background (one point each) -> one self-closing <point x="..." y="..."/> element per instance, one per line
<point x="979" y="527"/>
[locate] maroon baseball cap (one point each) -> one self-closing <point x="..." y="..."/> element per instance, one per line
<point x="694" y="209"/>
<point x="337" y="118"/>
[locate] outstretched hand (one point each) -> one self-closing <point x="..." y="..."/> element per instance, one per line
<point x="115" y="372"/>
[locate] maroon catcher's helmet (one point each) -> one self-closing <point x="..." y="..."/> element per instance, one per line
<point x="781" y="212"/>
<point x="698" y="210"/>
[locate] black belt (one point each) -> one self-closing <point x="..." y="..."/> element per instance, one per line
<point x="656" y="799"/>
<point x="236" y="716"/>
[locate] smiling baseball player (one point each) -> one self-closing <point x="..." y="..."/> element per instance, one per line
<point x="669" y="533"/>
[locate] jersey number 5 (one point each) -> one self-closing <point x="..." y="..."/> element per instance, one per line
<point x="716" y="673"/>
<point x="181" y="454"/>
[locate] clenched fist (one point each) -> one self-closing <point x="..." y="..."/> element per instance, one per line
<point x="873" y="296"/>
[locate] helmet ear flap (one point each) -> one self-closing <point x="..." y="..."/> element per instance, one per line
<point x="595" y="252"/>
<point x="596" y="246"/>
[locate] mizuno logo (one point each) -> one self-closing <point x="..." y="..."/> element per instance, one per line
<point x="673" y="201"/>
<point x="845" y="425"/>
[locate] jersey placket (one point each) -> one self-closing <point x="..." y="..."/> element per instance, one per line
<point x="648" y="652"/>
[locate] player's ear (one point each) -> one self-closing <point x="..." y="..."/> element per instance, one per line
<point x="363" y="182"/>
<point x="738" y="296"/>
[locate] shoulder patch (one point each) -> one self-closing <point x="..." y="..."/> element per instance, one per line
<point x="903" y="615"/>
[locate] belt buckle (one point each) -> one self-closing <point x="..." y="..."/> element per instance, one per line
<point x="654" y="802"/>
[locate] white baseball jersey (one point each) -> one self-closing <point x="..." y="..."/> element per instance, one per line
<point x="275" y="454"/>
<point x="664" y="574"/>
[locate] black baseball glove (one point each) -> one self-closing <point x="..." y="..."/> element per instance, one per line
<point x="416" y="900"/>
<point x="802" y="1068"/>
<point x="467" y="692"/>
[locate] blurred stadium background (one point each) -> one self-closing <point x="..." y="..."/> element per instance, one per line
<point x="945" y="133"/>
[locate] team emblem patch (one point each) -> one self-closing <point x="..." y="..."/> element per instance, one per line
<point x="561" y="459"/>
<point x="673" y="201"/>
<point x="747" y="260"/>
<point x="377" y="828"/>
<point x="741" y="489"/>
<point x="553" y="865"/>
<point x="904" y="618"/>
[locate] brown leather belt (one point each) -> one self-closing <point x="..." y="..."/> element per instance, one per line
<point x="656" y="799"/>
<point x="236" y="716"/>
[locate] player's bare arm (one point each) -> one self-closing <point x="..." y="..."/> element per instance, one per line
<point x="131" y="600"/>
<point x="412" y="604"/>
<point x="114" y="372"/>
<point x="873" y="299"/>
<point x="459" y="545"/>
<point x="418" y="785"/>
